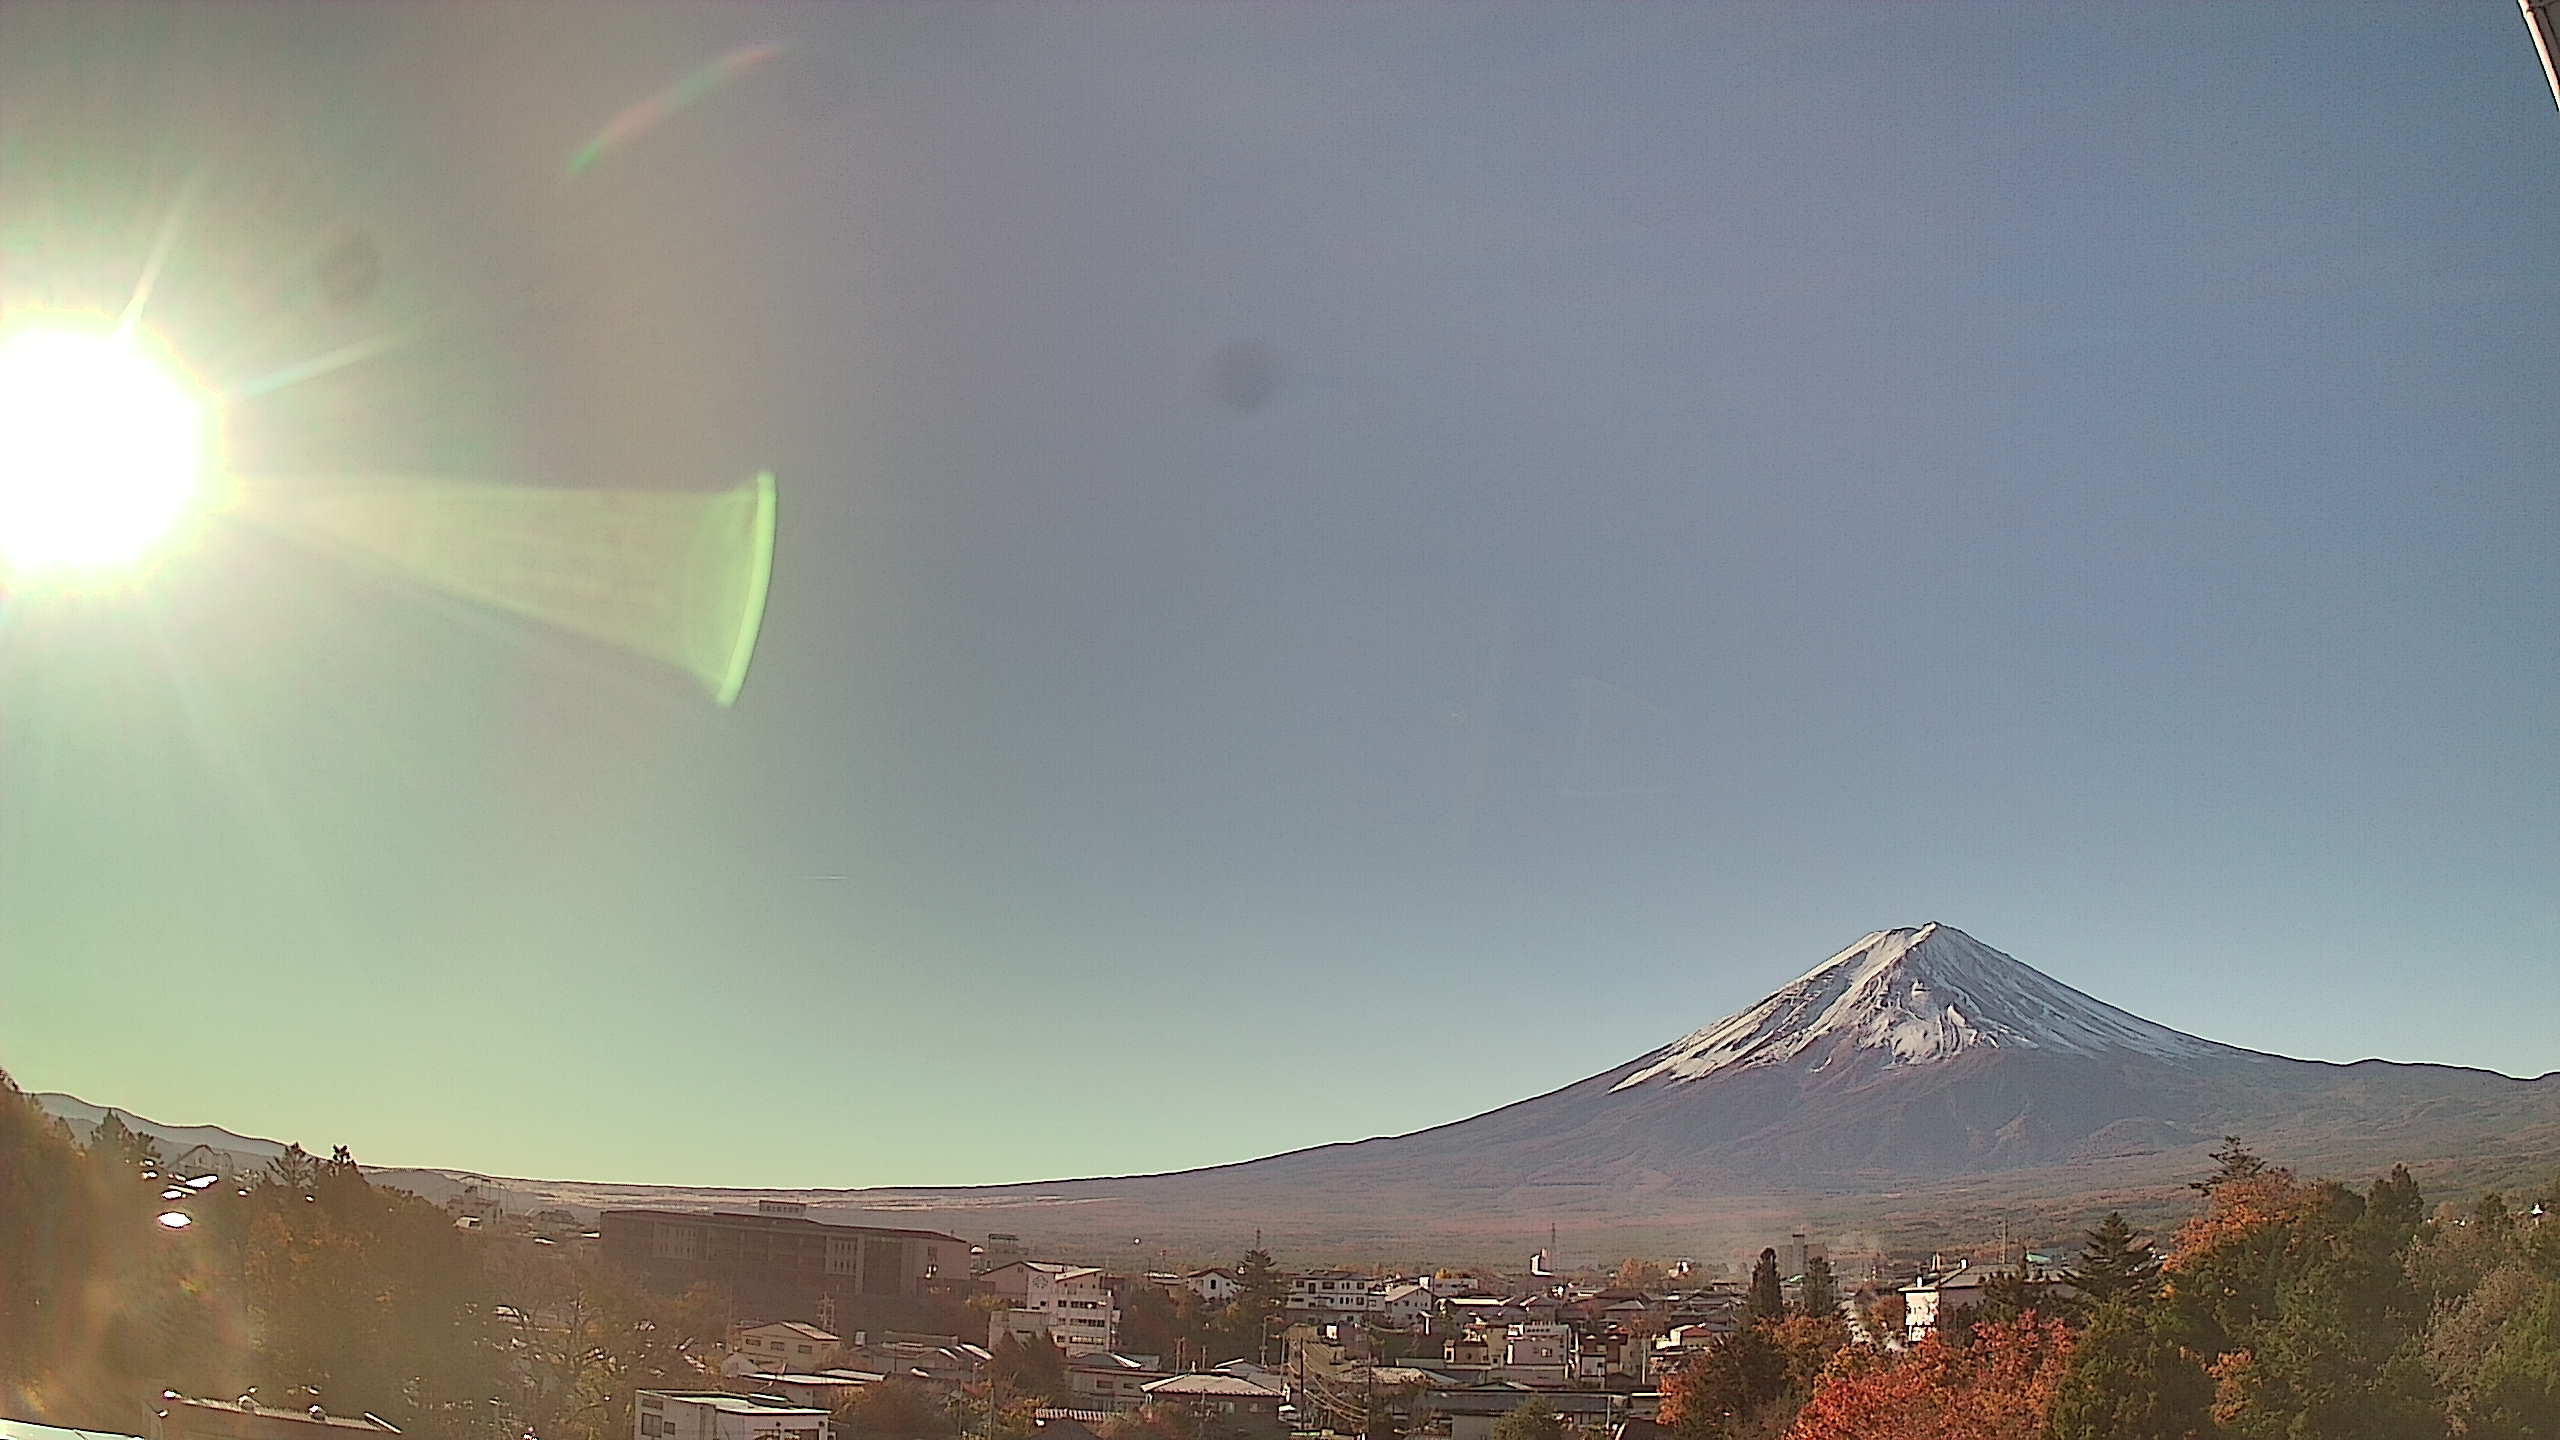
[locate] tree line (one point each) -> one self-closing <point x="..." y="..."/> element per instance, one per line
<point x="307" y="1285"/>
<point x="2281" y="1310"/>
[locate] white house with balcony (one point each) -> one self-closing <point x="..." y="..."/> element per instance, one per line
<point x="1332" y="1292"/>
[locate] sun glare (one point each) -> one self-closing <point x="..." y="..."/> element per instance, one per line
<point x="101" y="443"/>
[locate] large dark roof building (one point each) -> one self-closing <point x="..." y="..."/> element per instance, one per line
<point x="783" y="1265"/>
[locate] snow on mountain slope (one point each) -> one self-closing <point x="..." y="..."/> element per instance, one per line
<point x="1917" y="996"/>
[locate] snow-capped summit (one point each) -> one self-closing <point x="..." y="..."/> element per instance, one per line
<point x="1915" y="996"/>
<point x="1918" y="1073"/>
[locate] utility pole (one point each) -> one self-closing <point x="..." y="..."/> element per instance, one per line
<point x="2539" y="19"/>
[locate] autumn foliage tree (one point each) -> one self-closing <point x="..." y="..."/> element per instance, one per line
<point x="2283" y="1310"/>
<point x="1635" y="1274"/>
<point x="1752" y="1381"/>
<point x="2000" y="1386"/>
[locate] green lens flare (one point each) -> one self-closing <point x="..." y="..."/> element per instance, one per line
<point x="678" y="577"/>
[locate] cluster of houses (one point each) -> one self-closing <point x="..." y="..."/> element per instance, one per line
<point x="790" y="1377"/>
<point x="1446" y="1352"/>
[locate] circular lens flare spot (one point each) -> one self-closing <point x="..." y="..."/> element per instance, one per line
<point x="101" y="445"/>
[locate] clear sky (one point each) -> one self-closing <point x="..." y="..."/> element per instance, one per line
<point x="1340" y="565"/>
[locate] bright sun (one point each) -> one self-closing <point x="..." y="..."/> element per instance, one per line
<point x="101" y="443"/>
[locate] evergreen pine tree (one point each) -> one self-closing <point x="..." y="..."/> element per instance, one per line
<point x="2234" y="1161"/>
<point x="2395" y="1200"/>
<point x="1821" y="1289"/>
<point x="114" y="1140"/>
<point x="1767" y="1298"/>
<point x="2130" y="1380"/>
<point x="1262" y="1295"/>
<point x="296" y="1169"/>
<point x="2112" y="1265"/>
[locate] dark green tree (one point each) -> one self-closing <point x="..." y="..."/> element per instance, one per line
<point x="1767" y="1297"/>
<point x="2309" y="1312"/>
<point x="1724" y="1388"/>
<point x="2325" y="1365"/>
<point x="2234" y="1161"/>
<point x="2491" y="1214"/>
<point x="1149" y="1324"/>
<point x="1821" y="1289"/>
<point x="1531" y="1419"/>
<point x="2112" y="1265"/>
<point x="1262" y="1296"/>
<point x="2516" y="1393"/>
<point x="2130" y="1380"/>
<point x="1033" y="1368"/>
<point x="2395" y="1207"/>
<point x="2009" y="1291"/>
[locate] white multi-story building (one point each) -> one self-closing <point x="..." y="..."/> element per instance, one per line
<point x="711" y="1415"/>
<point x="1538" y="1353"/>
<point x="1082" y="1316"/>
<point x="1216" y="1285"/>
<point x="1332" y="1292"/>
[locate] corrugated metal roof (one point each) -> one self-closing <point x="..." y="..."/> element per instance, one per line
<point x="1233" y="1386"/>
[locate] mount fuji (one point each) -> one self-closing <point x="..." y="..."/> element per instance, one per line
<point x="1917" y="1086"/>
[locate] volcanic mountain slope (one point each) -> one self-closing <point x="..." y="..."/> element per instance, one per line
<point x="1916" y="1082"/>
<point x="1921" y="1054"/>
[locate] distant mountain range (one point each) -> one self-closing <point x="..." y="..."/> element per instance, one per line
<point x="246" y="1151"/>
<point x="1917" y="1088"/>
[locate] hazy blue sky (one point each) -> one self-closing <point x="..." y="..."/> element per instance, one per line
<point x="1736" y="477"/>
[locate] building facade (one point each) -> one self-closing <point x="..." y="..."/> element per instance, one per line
<point x="1083" y="1318"/>
<point x="1538" y="1353"/>
<point x="785" y="1345"/>
<point x="782" y="1263"/>
<point x="1332" y="1292"/>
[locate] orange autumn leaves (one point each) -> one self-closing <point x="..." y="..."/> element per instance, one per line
<point x="1999" y="1387"/>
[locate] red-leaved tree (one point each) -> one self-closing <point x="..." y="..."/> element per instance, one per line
<point x="1998" y="1387"/>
